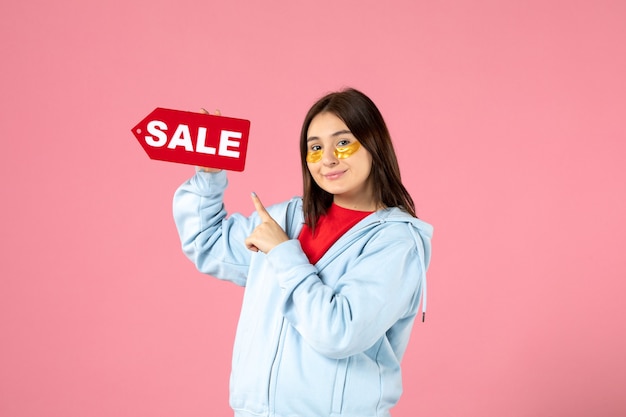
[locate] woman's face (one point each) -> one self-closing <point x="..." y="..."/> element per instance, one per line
<point x="339" y="164"/>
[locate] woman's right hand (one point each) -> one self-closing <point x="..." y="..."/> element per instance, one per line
<point x="208" y="169"/>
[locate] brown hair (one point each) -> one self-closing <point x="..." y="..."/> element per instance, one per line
<point x="366" y="123"/>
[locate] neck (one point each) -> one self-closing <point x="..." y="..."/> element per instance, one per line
<point x="350" y="204"/>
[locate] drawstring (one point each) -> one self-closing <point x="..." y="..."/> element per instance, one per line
<point x="422" y="254"/>
<point x="423" y="296"/>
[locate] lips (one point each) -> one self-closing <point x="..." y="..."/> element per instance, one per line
<point x="333" y="175"/>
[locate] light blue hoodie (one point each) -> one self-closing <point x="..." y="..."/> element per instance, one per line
<point x="312" y="340"/>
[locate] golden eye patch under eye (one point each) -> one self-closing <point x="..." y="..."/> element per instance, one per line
<point x="341" y="152"/>
<point x="314" y="156"/>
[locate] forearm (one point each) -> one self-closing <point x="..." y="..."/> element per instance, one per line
<point x="208" y="239"/>
<point x="350" y="317"/>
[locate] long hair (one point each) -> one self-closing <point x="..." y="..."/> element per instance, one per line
<point x="366" y="123"/>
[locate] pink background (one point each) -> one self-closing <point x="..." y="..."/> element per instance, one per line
<point x="509" y="119"/>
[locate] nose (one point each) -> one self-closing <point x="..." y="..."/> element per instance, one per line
<point x="329" y="158"/>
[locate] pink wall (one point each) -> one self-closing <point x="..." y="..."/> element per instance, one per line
<point x="509" y="118"/>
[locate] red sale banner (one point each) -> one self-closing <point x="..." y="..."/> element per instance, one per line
<point x="194" y="138"/>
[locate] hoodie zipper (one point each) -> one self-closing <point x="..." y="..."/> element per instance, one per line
<point x="271" y="386"/>
<point x="343" y="241"/>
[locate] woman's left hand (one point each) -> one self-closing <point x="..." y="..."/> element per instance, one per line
<point x="268" y="234"/>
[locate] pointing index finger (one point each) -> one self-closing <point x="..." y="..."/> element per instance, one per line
<point x="260" y="208"/>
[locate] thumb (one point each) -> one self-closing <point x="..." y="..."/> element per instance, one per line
<point x="263" y="214"/>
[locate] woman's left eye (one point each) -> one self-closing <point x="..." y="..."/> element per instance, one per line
<point x="344" y="142"/>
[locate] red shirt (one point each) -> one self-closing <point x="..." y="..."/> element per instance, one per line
<point x="330" y="227"/>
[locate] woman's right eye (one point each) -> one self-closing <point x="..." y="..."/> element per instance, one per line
<point x="315" y="148"/>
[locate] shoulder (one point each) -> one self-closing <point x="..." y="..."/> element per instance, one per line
<point x="398" y="229"/>
<point x="395" y="220"/>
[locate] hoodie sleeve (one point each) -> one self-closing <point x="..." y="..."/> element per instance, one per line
<point x="210" y="239"/>
<point x="381" y="287"/>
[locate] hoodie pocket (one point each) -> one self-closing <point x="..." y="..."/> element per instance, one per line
<point x="340" y="385"/>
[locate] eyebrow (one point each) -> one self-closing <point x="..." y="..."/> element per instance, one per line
<point x="338" y="133"/>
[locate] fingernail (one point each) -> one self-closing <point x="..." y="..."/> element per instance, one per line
<point x="253" y="194"/>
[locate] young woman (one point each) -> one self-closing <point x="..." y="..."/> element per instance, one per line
<point x="333" y="280"/>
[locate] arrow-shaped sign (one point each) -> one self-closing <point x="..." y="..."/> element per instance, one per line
<point x="194" y="138"/>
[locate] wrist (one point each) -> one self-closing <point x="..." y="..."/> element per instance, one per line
<point x="207" y="169"/>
